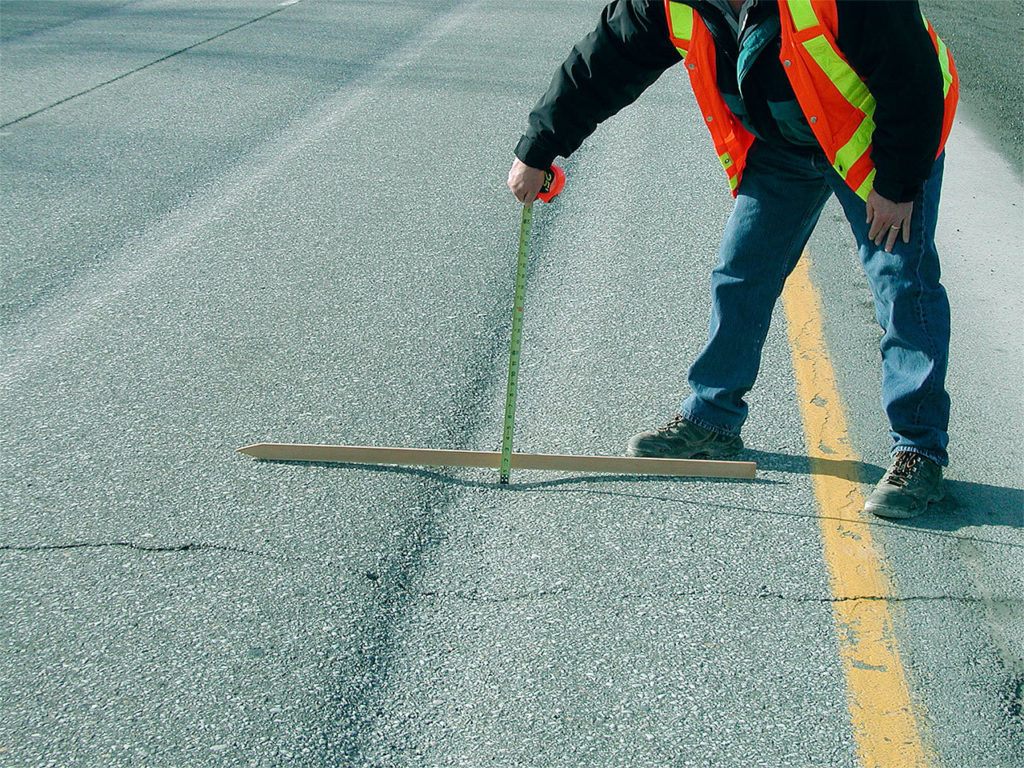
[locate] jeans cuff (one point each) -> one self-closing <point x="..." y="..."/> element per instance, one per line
<point x="941" y="459"/>
<point x="687" y="414"/>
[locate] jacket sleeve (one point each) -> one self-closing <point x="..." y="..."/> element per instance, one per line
<point x="889" y="46"/>
<point x="604" y="72"/>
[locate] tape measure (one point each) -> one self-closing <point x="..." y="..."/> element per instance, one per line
<point x="554" y="181"/>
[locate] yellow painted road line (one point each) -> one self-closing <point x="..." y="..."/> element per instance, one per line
<point x="884" y="723"/>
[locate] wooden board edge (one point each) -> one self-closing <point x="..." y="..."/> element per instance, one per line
<point x="385" y="455"/>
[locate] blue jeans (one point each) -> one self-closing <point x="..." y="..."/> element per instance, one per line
<point x="780" y="198"/>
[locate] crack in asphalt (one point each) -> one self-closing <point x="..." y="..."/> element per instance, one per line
<point x="192" y="546"/>
<point x="478" y="596"/>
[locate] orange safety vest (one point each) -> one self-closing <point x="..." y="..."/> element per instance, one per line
<point x="837" y="104"/>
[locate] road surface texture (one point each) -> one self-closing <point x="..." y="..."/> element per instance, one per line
<point x="243" y="220"/>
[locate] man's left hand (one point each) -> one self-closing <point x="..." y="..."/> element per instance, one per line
<point x="887" y="219"/>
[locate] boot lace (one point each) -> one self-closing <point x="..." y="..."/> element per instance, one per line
<point x="675" y="422"/>
<point x="903" y="468"/>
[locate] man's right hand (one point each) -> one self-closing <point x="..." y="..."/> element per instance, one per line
<point x="524" y="181"/>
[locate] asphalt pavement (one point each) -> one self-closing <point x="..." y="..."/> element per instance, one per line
<point x="239" y="221"/>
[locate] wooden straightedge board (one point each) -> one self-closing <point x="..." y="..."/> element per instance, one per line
<point x="426" y="457"/>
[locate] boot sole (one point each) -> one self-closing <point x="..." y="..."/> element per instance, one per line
<point x="887" y="513"/>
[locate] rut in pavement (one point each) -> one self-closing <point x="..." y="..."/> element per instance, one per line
<point x="464" y="421"/>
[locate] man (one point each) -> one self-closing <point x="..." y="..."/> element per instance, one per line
<point x="803" y="100"/>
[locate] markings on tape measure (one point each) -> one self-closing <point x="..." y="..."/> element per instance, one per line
<point x="518" y="302"/>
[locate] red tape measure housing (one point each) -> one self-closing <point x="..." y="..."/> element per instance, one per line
<point x="554" y="182"/>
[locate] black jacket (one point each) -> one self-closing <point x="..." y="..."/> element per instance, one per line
<point x="884" y="40"/>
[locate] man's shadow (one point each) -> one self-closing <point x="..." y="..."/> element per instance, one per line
<point x="966" y="504"/>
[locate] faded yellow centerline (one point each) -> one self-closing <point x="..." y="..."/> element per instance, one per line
<point x="884" y="722"/>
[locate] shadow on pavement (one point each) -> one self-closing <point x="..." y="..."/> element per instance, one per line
<point x="966" y="504"/>
<point x="580" y="479"/>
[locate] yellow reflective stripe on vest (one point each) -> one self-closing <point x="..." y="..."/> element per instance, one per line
<point x="681" y="25"/>
<point x="866" y="186"/>
<point x="726" y="160"/>
<point x="803" y="14"/>
<point x="841" y="74"/>
<point x="858" y="144"/>
<point x="947" y="75"/>
<point x="681" y="17"/>
<point x="849" y="84"/>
